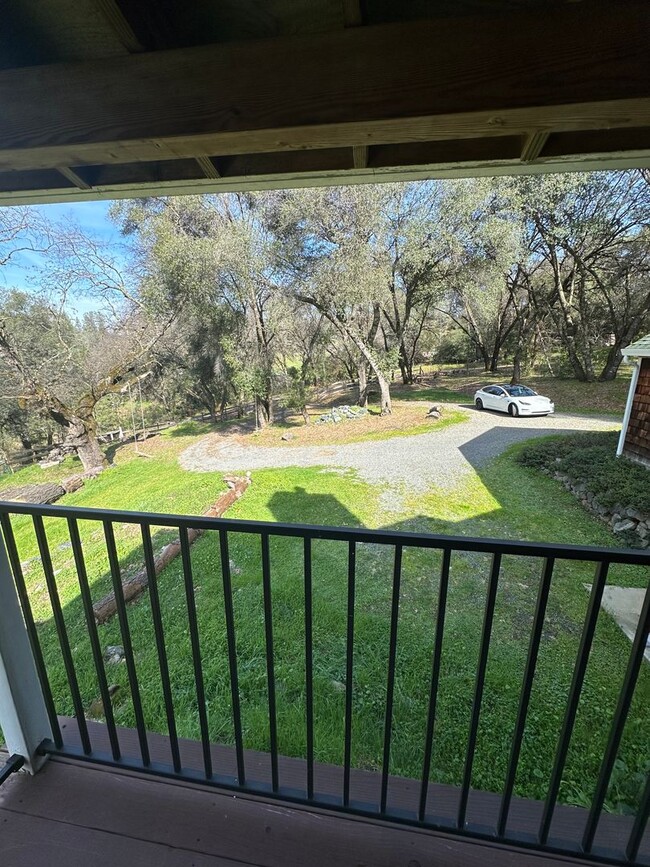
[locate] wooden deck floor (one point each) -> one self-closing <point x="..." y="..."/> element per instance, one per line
<point x="74" y="813"/>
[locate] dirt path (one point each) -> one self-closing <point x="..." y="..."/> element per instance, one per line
<point x="438" y="458"/>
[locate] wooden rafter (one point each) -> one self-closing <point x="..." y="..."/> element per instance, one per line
<point x="534" y="145"/>
<point x="73" y="177"/>
<point x="208" y="167"/>
<point x="446" y="80"/>
<point x="360" y="156"/>
<point x="352" y="13"/>
<point x="110" y="9"/>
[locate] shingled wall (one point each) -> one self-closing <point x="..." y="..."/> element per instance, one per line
<point x="637" y="440"/>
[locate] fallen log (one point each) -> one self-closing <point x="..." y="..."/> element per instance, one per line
<point x="135" y="585"/>
<point x="43" y="493"/>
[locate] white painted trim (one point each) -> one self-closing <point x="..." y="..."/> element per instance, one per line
<point x="23" y="717"/>
<point x="628" y="407"/>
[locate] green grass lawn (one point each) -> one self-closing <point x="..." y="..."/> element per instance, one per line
<point x="507" y="500"/>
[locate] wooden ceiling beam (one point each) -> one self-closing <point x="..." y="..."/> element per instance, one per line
<point x="409" y="82"/>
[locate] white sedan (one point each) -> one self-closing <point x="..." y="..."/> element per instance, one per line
<point x="513" y="399"/>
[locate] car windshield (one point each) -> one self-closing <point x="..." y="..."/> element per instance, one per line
<point x="519" y="391"/>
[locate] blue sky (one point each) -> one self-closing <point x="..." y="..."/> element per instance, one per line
<point x="92" y="217"/>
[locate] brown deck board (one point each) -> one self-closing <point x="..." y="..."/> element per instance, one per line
<point x="483" y="807"/>
<point x="75" y="814"/>
<point x="31" y="841"/>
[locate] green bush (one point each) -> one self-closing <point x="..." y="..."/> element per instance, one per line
<point x="591" y="458"/>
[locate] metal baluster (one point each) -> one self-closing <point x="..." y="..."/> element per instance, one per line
<point x="435" y="678"/>
<point x="163" y="665"/>
<point x="19" y="579"/>
<point x="390" y="687"/>
<point x="349" y="666"/>
<point x="573" y="698"/>
<point x="640" y="821"/>
<point x="618" y="723"/>
<point x="529" y="673"/>
<point x="270" y="668"/>
<point x="129" y="658"/>
<point x="62" y="632"/>
<point x="232" y="655"/>
<point x="196" y="650"/>
<point x="95" y="646"/>
<point x="478" y="691"/>
<point x="309" y="669"/>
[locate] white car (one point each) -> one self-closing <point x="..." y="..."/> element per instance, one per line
<point x="513" y="399"/>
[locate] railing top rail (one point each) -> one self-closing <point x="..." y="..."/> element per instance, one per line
<point x="626" y="556"/>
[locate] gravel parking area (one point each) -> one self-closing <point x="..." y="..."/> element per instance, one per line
<point x="440" y="458"/>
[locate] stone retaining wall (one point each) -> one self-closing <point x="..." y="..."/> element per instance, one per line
<point x="625" y="521"/>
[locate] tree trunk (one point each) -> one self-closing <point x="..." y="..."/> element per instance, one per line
<point x="264" y="411"/>
<point x="384" y="391"/>
<point x="494" y="360"/>
<point x="574" y="360"/>
<point x="362" y="382"/>
<point x="264" y="404"/>
<point x="405" y="365"/>
<point x="90" y="454"/>
<point x="384" y="385"/>
<point x="516" y="367"/>
<point x="82" y="437"/>
<point x="588" y="361"/>
<point x="614" y="359"/>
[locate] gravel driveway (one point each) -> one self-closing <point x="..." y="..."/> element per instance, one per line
<point x="440" y="458"/>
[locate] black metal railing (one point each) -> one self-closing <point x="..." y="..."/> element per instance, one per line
<point x="533" y="829"/>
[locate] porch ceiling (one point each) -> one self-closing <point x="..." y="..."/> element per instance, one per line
<point x="108" y="98"/>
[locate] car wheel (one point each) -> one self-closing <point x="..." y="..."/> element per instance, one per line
<point x="479" y="403"/>
<point x="513" y="410"/>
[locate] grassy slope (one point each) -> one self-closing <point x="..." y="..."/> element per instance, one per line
<point x="508" y="500"/>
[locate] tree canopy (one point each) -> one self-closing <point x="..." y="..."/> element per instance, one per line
<point x="250" y="299"/>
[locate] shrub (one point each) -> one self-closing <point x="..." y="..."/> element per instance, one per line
<point x="591" y="458"/>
